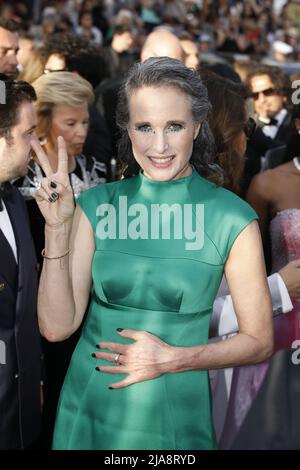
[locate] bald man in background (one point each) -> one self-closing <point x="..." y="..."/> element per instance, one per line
<point x="162" y="43"/>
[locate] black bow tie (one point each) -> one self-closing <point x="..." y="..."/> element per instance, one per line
<point x="272" y="122"/>
<point x="5" y="189"/>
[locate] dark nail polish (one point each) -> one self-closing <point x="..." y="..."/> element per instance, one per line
<point x="120" y="329"/>
<point x="53" y="185"/>
<point x="93" y="355"/>
<point x="98" y="370"/>
<point x="50" y="199"/>
<point x="110" y="388"/>
<point x="97" y="346"/>
<point x="54" y="195"/>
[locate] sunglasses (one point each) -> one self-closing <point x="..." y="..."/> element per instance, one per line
<point x="249" y="127"/>
<point x="266" y="92"/>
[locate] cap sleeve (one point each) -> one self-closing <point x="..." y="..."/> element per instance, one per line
<point x="242" y="215"/>
<point x="89" y="200"/>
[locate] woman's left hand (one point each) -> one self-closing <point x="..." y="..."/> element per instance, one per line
<point x="147" y="358"/>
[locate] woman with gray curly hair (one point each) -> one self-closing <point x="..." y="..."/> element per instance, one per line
<point x="153" y="248"/>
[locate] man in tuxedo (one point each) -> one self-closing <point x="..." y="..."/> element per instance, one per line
<point x="20" y="373"/>
<point x="270" y="89"/>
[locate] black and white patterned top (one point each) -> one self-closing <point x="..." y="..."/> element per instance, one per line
<point x="87" y="173"/>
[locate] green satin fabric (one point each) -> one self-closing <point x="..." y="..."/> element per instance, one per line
<point x="157" y="286"/>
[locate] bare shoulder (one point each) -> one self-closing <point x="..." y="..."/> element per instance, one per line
<point x="263" y="183"/>
<point x="270" y="183"/>
<point x="284" y="169"/>
<point x="277" y="176"/>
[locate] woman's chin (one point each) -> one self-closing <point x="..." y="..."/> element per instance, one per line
<point x="76" y="150"/>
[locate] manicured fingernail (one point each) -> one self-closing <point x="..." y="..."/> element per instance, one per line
<point x="93" y="355"/>
<point x="110" y="388"/>
<point x="97" y="346"/>
<point x="120" y="329"/>
<point x="98" y="370"/>
<point x="50" y="199"/>
<point x="54" y="195"/>
<point x="53" y="185"/>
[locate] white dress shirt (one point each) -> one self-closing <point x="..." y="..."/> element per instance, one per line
<point x="224" y="321"/>
<point x="271" y="131"/>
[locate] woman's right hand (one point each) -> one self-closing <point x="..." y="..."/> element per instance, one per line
<point x="55" y="196"/>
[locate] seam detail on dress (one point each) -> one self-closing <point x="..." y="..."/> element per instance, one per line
<point x="158" y="257"/>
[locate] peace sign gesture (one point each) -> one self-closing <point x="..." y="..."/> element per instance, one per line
<point x="55" y="196"/>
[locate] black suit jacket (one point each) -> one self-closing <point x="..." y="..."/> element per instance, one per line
<point x="286" y="130"/>
<point x="262" y="143"/>
<point x="20" y="374"/>
<point x="259" y="144"/>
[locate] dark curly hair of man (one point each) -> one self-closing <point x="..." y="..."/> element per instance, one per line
<point x="67" y="45"/>
<point x="9" y="25"/>
<point x="79" y="55"/>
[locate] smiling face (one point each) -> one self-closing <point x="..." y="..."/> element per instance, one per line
<point x="162" y="130"/>
<point x="72" y="124"/>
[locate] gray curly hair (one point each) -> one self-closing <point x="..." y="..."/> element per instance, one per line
<point x="164" y="71"/>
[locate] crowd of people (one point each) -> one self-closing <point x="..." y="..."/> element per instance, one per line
<point x="259" y="27"/>
<point x="166" y="105"/>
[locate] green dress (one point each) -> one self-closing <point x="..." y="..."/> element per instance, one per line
<point x="149" y="275"/>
